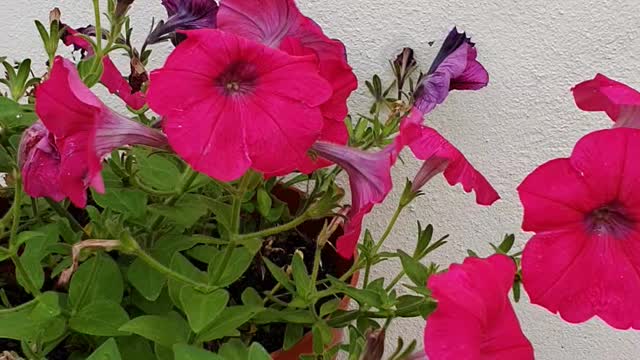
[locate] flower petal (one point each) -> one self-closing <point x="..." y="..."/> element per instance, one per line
<point x="40" y="163"/>
<point x="618" y="100"/>
<point x="440" y="156"/>
<point x="474" y="319"/>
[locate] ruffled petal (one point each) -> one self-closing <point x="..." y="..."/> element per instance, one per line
<point x="619" y="101"/>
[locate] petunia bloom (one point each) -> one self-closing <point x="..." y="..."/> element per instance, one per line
<point x="454" y="68"/>
<point x="618" y="100"/>
<point x="184" y="15"/>
<point x="279" y="24"/>
<point x="474" y="319"/>
<point x="441" y="157"/>
<point x="231" y="104"/>
<point x="584" y="258"/>
<point x="39" y="163"/>
<point x="370" y="182"/>
<point x="84" y="132"/>
<point x="111" y="77"/>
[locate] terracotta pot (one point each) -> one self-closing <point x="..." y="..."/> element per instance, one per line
<point x="312" y="228"/>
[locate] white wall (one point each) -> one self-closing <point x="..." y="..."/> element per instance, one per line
<point x="534" y="50"/>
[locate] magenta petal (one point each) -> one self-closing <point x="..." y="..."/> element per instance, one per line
<point x="40" y="163"/>
<point x="116" y="84"/>
<point x="440" y="156"/>
<point x="239" y="105"/>
<point x="370" y="182"/>
<point x="474" y="319"/>
<point x="618" y="100"/>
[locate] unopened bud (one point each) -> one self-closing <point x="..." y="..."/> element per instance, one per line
<point x="122" y="7"/>
<point x="54" y="15"/>
<point x="374" y="350"/>
<point x="139" y="76"/>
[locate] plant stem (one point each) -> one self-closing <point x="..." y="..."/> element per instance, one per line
<point x="389" y="228"/>
<point x="395" y="281"/>
<point x="275" y="230"/>
<point x="16" y="209"/>
<point x="159" y="267"/>
<point x="316" y="264"/>
<point x="60" y="210"/>
<point x="236" y="212"/>
<point x="96" y="14"/>
<point x="188" y="177"/>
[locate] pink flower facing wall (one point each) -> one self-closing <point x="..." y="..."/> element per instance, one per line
<point x="64" y="159"/>
<point x="474" y="319"/>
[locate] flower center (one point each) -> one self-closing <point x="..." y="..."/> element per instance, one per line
<point x="238" y="78"/>
<point x="610" y="220"/>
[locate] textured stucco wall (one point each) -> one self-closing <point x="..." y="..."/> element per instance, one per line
<point x="534" y="50"/>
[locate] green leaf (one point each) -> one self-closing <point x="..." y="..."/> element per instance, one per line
<point x="49" y="306"/>
<point x="130" y="202"/>
<point x="160" y="306"/>
<point x="322" y="336"/>
<point x="148" y="281"/>
<point x="279" y="274"/>
<point x="135" y="347"/>
<point x="187" y="352"/>
<point x="241" y="260"/>
<point x="165" y="330"/>
<point x="264" y="202"/>
<point x="234" y="350"/>
<point x="89" y="71"/>
<point x="292" y="335"/>
<point x="98" y="278"/>
<point x="301" y="277"/>
<point x="202" y="309"/>
<point x="228" y="322"/>
<point x="186" y="212"/>
<point x="250" y="296"/>
<point x="329" y="307"/>
<point x="35" y="250"/>
<point x="107" y="351"/>
<point x="99" y="318"/>
<point x="157" y="170"/>
<point x="424" y="239"/>
<point x="417" y="272"/>
<point x="362" y="296"/>
<point x="20" y="325"/>
<point x="507" y="244"/>
<point x="183" y="266"/>
<point x="257" y="352"/>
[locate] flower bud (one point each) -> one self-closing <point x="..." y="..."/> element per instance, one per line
<point x="122" y="7"/>
<point x="54" y="15"/>
<point x="374" y="349"/>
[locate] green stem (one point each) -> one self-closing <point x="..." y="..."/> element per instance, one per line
<point x="7" y="217"/>
<point x="367" y="272"/>
<point x="159" y="267"/>
<point x="395" y="281"/>
<point x="16" y="209"/>
<point x="236" y="212"/>
<point x="316" y="263"/>
<point x="96" y="14"/>
<point x="188" y="177"/>
<point x="385" y="236"/>
<point x="60" y="210"/>
<point x="29" y="284"/>
<point x="277" y="229"/>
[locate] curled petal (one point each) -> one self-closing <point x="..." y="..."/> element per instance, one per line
<point x="440" y="156"/>
<point x="455" y="68"/>
<point x="619" y="101"/>
<point x="39" y="163"/>
<point x="370" y="182"/>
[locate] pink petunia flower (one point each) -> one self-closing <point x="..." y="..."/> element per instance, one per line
<point x="84" y="132"/>
<point x="111" y="77"/>
<point x="279" y="24"/>
<point x="370" y="182"/>
<point x="39" y="163"/>
<point x="454" y="68"/>
<point x="231" y="104"/>
<point x="184" y="15"/>
<point x="474" y="319"/>
<point x="441" y="157"/>
<point x="584" y="258"/>
<point x="618" y="100"/>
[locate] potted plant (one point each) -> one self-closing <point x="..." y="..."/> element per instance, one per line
<point x="211" y="221"/>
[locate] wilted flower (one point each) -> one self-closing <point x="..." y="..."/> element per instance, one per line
<point x="441" y="157"/>
<point x="84" y="131"/>
<point x="618" y="100"/>
<point x="184" y="15"/>
<point x="585" y="211"/>
<point x="280" y="24"/>
<point x="474" y="319"/>
<point x="122" y="6"/>
<point x="370" y="182"/>
<point x="403" y="66"/>
<point x="111" y="77"/>
<point x="230" y="104"/>
<point x="374" y="348"/>
<point x="39" y="163"/>
<point x="454" y="68"/>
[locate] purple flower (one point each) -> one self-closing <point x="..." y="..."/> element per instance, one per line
<point x="454" y="68"/>
<point x="184" y="15"/>
<point x="370" y="182"/>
